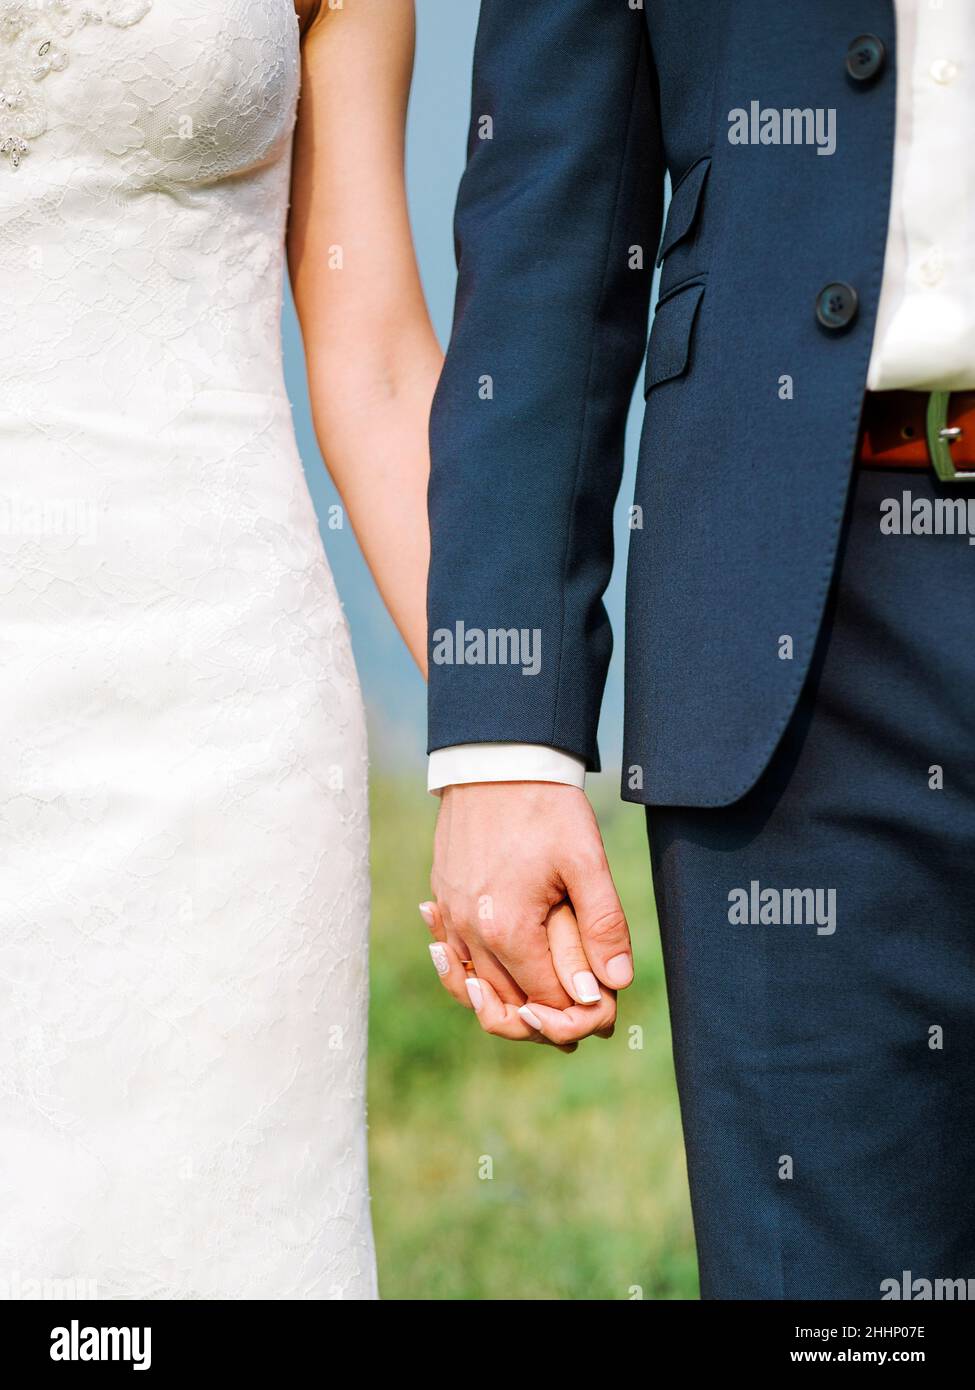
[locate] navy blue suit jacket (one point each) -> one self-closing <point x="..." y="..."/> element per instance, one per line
<point x="741" y="489"/>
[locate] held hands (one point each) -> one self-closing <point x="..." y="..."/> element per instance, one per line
<point x="507" y="855"/>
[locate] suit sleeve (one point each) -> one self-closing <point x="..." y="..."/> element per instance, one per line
<point x="557" y="222"/>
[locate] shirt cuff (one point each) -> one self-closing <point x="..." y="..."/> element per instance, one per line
<point x="503" y="762"/>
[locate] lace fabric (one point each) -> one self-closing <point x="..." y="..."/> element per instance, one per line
<point x="183" y="808"/>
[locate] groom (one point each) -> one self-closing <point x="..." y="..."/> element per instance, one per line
<point x="800" y="645"/>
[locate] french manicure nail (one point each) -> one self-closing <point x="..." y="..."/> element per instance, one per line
<point x="531" y="1019"/>
<point x="475" y="992"/>
<point x="620" y="971"/>
<point x="440" y="958"/>
<point x="586" y="986"/>
<point x="426" y="912"/>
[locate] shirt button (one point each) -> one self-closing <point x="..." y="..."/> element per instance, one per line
<point x="933" y="266"/>
<point x="837" y="305"/>
<point x="865" y="57"/>
<point x="943" y="71"/>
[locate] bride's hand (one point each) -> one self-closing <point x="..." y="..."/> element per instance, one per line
<point x="504" y="1017"/>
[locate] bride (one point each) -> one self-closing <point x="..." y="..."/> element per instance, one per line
<point x="183" y="814"/>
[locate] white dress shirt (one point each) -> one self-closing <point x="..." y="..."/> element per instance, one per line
<point x="925" y="333"/>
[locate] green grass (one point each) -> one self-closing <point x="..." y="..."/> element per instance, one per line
<point x="587" y="1193"/>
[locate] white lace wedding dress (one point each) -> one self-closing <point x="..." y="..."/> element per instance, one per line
<point x="183" y="818"/>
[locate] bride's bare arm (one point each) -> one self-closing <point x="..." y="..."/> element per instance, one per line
<point x="373" y="359"/>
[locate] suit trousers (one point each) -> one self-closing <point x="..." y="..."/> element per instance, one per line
<point x="819" y="942"/>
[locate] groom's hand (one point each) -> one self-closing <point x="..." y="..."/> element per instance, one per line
<point x="507" y="855"/>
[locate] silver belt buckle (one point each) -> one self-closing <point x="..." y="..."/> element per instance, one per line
<point x="941" y="436"/>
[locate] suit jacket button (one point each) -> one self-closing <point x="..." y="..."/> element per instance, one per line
<point x="865" y="57"/>
<point x="837" y="305"/>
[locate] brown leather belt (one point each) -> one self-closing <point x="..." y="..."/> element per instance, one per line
<point x="920" y="429"/>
